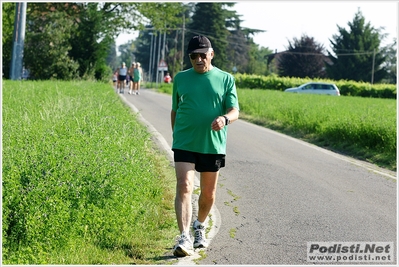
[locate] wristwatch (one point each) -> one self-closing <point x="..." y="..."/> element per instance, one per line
<point x="227" y="122"/>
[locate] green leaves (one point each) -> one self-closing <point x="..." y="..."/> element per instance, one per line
<point x="304" y="58"/>
<point x="47" y="47"/>
<point x="66" y="41"/>
<point x="355" y="51"/>
<point x="347" y="88"/>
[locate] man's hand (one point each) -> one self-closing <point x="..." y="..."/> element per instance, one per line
<point x="218" y="123"/>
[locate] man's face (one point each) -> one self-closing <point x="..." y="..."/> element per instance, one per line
<point x="201" y="61"/>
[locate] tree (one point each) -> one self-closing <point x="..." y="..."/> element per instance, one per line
<point x="84" y="33"/>
<point x="243" y="54"/>
<point x="304" y="58"/>
<point x="237" y="51"/>
<point x="8" y="12"/>
<point x="391" y="64"/>
<point x="46" y="51"/>
<point x="241" y="51"/>
<point x="111" y="59"/>
<point x="144" y="44"/>
<point x="91" y="40"/>
<point x="258" y="60"/>
<point x="214" y="27"/>
<point x="127" y="53"/>
<point x="105" y="20"/>
<point x="147" y="47"/>
<point x="356" y="52"/>
<point x="147" y="44"/>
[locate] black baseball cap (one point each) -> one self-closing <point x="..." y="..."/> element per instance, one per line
<point x="198" y="44"/>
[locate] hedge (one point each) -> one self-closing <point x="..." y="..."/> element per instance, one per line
<point x="347" y="88"/>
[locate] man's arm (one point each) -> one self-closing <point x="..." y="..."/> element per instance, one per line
<point x="232" y="114"/>
<point x="172" y="118"/>
<point x="219" y="122"/>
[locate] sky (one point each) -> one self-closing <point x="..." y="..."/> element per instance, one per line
<point x="283" y="21"/>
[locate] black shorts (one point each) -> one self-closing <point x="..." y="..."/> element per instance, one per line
<point x="122" y="77"/>
<point x="203" y="162"/>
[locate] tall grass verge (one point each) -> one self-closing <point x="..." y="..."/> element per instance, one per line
<point x="364" y="128"/>
<point x="82" y="182"/>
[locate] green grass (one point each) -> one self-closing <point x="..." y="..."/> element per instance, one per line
<point x="363" y="128"/>
<point x="233" y="232"/>
<point x="82" y="180"/>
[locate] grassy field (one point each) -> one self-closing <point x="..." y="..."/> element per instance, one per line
<point x="364" y="128"/>
<point x="82" y="180"/>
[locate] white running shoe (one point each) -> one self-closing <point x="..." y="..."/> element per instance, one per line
<point x="199" y="235"/>
<point x="184" y="246"/>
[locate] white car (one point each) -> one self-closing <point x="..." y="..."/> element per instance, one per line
<point x="315" y="88"/>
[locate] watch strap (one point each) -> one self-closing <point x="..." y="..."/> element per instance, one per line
<point x="227" y="121"/>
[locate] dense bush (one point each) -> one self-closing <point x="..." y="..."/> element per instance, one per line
<point x="347" y="88"/>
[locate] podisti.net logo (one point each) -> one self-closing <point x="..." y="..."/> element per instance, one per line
<point x="376" y="252"/>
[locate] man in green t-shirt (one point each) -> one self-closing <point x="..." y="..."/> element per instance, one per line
<point x="204" y="102"/>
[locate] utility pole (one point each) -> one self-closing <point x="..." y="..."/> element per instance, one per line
<point x="149" y="64"/>
<point x="182" y="43"/>
<point x="372" y="68"/>
<point x="174" y="58"/>
<point x="153" y="57"/>
<point x="163" y="51"/>
<point x="159" y="52"/>
<point x="18" y="41"/>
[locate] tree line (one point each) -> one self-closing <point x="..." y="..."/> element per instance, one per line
<point x="77" y="40"/>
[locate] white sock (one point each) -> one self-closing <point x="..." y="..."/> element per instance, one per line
<point x="187" y="235"/>
<point x="196" y="223"/>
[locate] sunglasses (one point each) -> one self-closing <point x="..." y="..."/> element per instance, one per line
<point x="194" y="55"/>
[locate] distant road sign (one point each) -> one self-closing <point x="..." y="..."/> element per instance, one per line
<point x="162" y="66"/>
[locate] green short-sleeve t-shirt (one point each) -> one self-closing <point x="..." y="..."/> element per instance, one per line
<point x="198" y="98"/>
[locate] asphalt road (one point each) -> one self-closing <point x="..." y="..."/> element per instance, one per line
<point x="277" y="193"/>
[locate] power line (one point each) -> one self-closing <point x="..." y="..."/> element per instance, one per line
<point x="321" y="54"/>
<point x="287" y="51"/>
